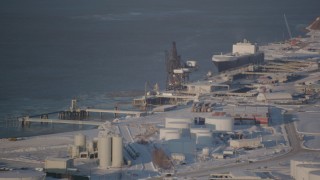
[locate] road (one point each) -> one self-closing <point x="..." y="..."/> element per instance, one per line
<point x="296" y="149"/>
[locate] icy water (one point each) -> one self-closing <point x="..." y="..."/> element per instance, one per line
<point x="103" y="51"/>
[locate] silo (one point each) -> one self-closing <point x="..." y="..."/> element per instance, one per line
<point x="104" y="151"/>
<point x="204" y="138"/>
<point x="304" y="169"/>
<point x="314" y="175"/>
<point x="80" y="140"/>
<point x="90" y="147"/>
<point x="172" y="135"/>
<point x="75" y="151"/>
<point x="117" y="155"/>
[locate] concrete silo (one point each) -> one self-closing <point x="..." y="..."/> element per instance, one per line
<point x="117" y="155"/>
<point x="80" y="140"/>
<point x="104" y="151"/>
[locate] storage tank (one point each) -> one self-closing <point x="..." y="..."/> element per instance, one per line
<point x="90" y="147"/>
<point x="104" y="151"/>
<point x="117" y="155"/>
<point x="168" y="120"/>
<point x="75" y="151"/>
<point x="80" y="140"/>
<point x="205" y="151"/>
<point x="314" y="175"/>
<point x="204" y="138"/>
<point x="164" y="131"/>
<point x="304" y="169"/>
<point x="223" y="123"/>
<point x="172" y="135"/>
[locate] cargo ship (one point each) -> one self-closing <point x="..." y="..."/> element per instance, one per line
<point x="243" y="53"/>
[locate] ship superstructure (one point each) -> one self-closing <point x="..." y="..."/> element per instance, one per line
<point x="243" y="53"/>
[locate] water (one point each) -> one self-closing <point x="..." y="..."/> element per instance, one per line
<point x="52" y="51"/>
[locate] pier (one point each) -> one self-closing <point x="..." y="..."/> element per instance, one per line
<point x="27" y="120"/>
<point x="116" y="111"/>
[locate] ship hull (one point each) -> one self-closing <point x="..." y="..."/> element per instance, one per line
<point x="257" y="58"/>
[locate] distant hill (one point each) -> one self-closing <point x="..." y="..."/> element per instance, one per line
<point x="315" y="25"/>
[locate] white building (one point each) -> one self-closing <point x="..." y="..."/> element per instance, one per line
<point x="274" y="96"/>
<point x="249" y="143"/>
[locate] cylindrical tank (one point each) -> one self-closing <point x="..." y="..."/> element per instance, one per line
<point x="314" y="175"/>
<point x="164" y="131"/>
<point x="205" y="151"/>
<point x="204" y="138"/>
<point x="117" y="155"/>
<point x="75" y="151"/>
<point x="221" y="123"/>
<point x="90" y="147"/>
<point x="104" y="151"/>
<point x="304" y="169"/>
<point x="95" y="143"/>
<point x="80" y="140"/>
<point x="172" y="135"/>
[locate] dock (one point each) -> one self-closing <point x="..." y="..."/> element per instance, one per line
<point x="116" y="111"/>
<point x="38" y="120"/>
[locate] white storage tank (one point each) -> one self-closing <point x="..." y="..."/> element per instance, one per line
<point x="104" y="151"/>
<point x="117" y="155"/>
<point x="90" y="147"/>
<point x="168" y="120"/>
<point x="314" y="175"/>
<point x="75" y="151"/>
<point x="164" y="131"/>
<point x="206" y="151"/>
<point x="223" y="123"/>
<point x="172" y="135"/>
<point x="304" y="169"/>
<point x="204" y="138"/>
<point x="80" y="140"/>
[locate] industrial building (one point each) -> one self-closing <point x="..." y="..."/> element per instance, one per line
<point x="220" y="123"/>
<point x="205" y="87"/>
<point x="250" y="114"/>
<point x="240" y="175"/>
<point x="246" y="143"/>
<point x="302" y="169"/>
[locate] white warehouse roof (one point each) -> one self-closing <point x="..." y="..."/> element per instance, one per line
<point x="274" y="96"/>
